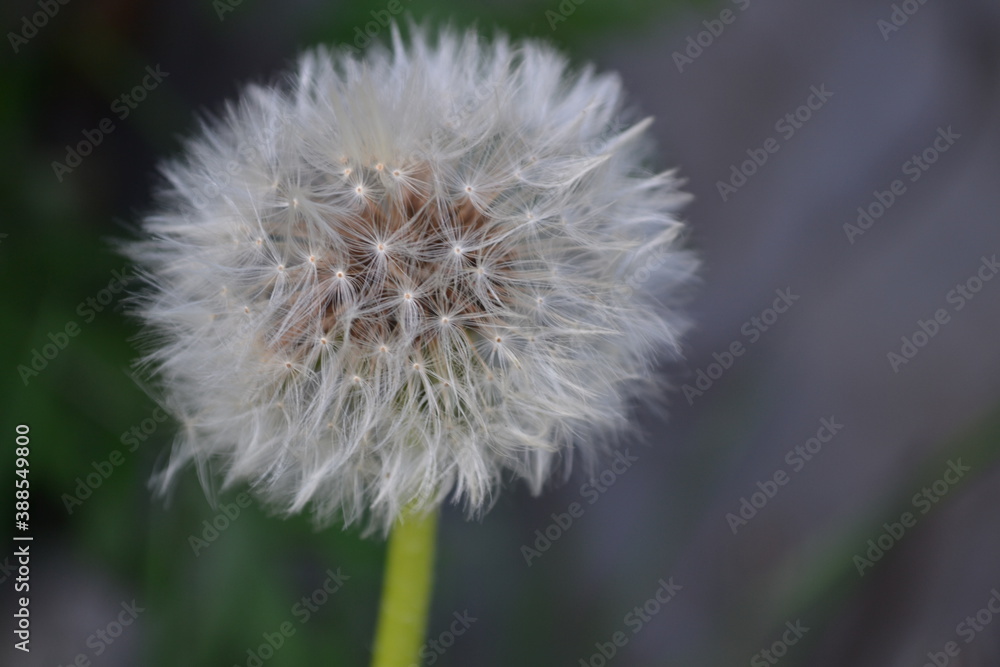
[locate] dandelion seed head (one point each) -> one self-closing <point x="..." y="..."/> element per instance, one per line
<point x="513" y="182"/>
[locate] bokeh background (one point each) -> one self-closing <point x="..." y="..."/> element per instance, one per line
<point x="898" y="73"/>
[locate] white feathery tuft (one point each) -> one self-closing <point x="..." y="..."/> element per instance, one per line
<point x="398" y="278"/>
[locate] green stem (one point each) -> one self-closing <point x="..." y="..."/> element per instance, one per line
<point x="406" y="591"/>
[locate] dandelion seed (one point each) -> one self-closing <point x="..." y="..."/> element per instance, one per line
<point x="512" y="185"/>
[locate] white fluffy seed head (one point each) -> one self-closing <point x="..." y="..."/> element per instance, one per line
<point x="393" y="280"/>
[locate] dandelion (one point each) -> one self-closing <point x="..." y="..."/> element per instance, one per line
<point x="389" y="281"/>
